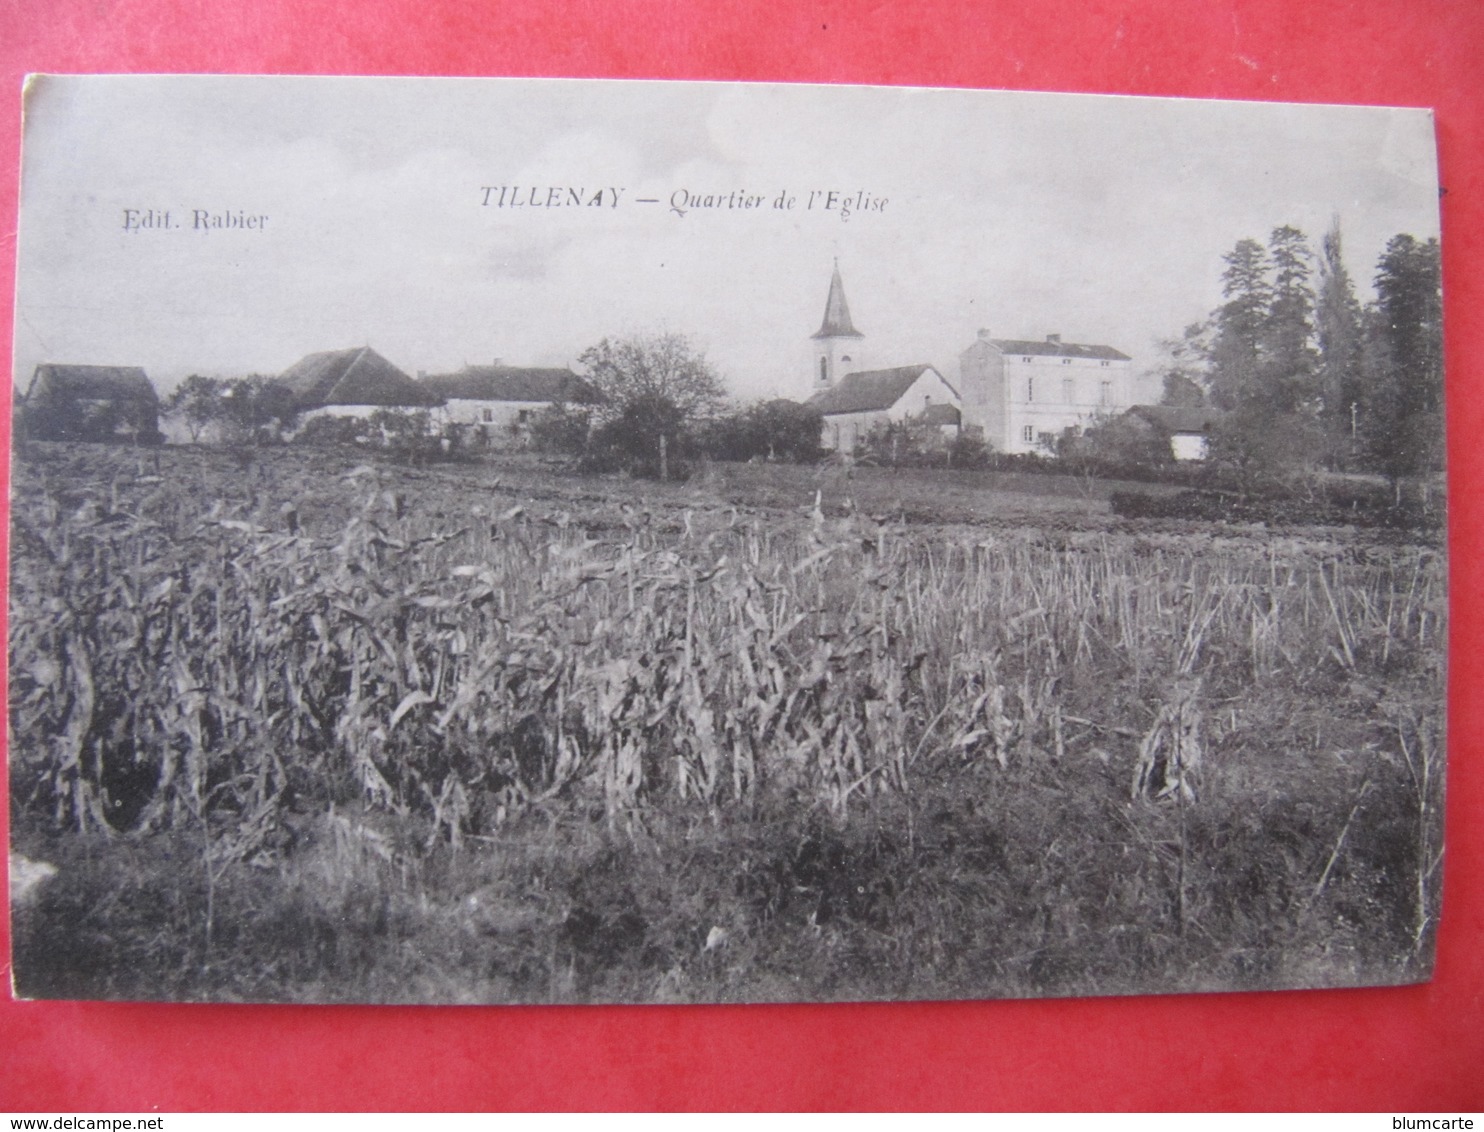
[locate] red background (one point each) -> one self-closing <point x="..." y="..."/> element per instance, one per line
<point x="1419" y="1048"/>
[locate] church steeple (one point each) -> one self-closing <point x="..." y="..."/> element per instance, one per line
<point x="837" y="344"/>
<point x="837" y="322"/>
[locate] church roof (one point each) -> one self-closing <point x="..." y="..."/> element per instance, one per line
<point x="837" y="322"/>
<point x="869" y="391"/>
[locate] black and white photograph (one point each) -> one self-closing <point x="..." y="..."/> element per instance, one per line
<point x="581" y="541"/>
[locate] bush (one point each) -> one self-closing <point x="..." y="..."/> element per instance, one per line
<point x="648" y="439"/>
<point x="772" y="430"/>
<point x="329" y="432"/>
<point x="560" y="431"/>
<point x="1349" y="505"/>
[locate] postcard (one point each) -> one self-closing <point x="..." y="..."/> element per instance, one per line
<point x="529" y="541"/>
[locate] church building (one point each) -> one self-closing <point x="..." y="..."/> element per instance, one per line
<point x="855" y="400"/>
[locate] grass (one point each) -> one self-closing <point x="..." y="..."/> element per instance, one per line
<point x="325" y="732"/>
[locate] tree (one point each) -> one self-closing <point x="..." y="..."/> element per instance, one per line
<point x="258" y="407"/>
<point x="1263" y="360"/>
<point x="1287" y="360"/>
<point x="242" y="409"/>
<point x="1184" y="366"/>
<point x="1338" y="327"/>
<point x="1403" y="406"/>
<point x="1238" y="325"/>
<point x="197" y="403"/>
<point x="664" y="366"/>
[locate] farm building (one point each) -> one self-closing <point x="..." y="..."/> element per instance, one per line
<point x="100" y="403"/>
<point x="1025" y="394"/>
<point x="861" y="402"/>
<point x="352" y="383"/>
<point x="1186" y="429"/>
<point x="500" y="402"/>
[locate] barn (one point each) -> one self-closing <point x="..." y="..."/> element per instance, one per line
<point x="352" y="383"/>
<point x="114" y="404"/>
<point x="500" y="402"/>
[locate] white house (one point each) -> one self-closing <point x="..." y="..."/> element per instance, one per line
<point x="501" y="401"/>
<point x="352" y="383"/>
<point x="1024" y="394"/>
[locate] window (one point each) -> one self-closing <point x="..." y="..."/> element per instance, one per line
<point x="824" y="371"/>
<point x="523" y="416"/>
<point x="1067" y="390"/>
<point x="1030" y="389"/>
<point x="1066" y="361"/>
<point x="1105" y="393"/>
<point x="1025" y="359"/>
<point x="486" y="415"/>
<point x="1028" y="434"/>
<point x="1103" y="364"/>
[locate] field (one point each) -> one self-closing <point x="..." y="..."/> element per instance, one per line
<point x="290" y="726"/>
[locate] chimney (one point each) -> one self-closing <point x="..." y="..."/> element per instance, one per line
<point x="1054" y="339"/>
<point x="984" y="333"/>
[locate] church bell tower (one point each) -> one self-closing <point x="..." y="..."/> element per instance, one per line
<point x="837" y="344"/>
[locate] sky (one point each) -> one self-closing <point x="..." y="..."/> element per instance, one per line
<point x="376" y="217"/>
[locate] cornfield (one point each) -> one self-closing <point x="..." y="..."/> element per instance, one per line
<point x="213" y="657"/>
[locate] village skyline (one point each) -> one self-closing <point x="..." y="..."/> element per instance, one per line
<point x="226" y="226"/>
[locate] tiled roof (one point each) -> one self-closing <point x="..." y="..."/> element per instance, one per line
<point x="1177" y="418"/>
<point x="92" y="382"/>
<point x="868" y="391"/>
<point x="837" y="322"/>
<point x="358" y="376"/>
<point x="1032" y="348"/>
<point x="513" y="383"/>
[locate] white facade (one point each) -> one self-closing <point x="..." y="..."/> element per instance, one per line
<point x="1188" y="446"/>
<point x="498" y="422"/>
<point x="831" y="360"/>
<point x="1024" y="395"/>
<point x="844" y="432"/>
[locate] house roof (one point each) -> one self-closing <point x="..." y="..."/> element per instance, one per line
<point x="869" y="390"/>
<point x="358" y="376"/>
<point x="837" y="322"/>
<point x="513" y="383"/>
<point x="92" y="382"/>
<point x="1055" y="349"/>
<point x="1177" y="418"/>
